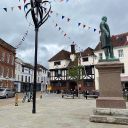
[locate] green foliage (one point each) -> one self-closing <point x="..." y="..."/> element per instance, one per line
<point x="76" y="72"/>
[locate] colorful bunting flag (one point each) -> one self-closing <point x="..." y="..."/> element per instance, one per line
<point x="57" y="14"/>
<point x="62" y="31"/>
<point x="99" y="31"/>
<point x="125" y="40"/>
<point x="84" y="26"/>
<point x="73" y="42"/>
<point x="79" y="24"/>
<point x="59" y="28"/>
<point x="65" y="34"/>
<point x="24" y="1"/>
<point x="45" y="4"/>
<point x="89" y="28"/>
<point x="68" y="19"/>
<point x="117" y="37"/>
<point x="113" y="36"/>
<point x="67" y="1"/>
<point x="94" y="29"/>
<point x="19" y="7"/>
<point x="5" y="9"/>
<point x="62" y="17"/>
<point x="61" y="0"/>
<point x="51" y="12"/>
<point x="26" y="6"/>
<point x="12" y="8"/>
<point x="56" y="25"/>
<point x="121" y="38"/>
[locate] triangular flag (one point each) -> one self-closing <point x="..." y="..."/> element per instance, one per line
<point x="94" y="29"/>
<point x="45" y="9"/>
<point x="24" y="1"/>
<point x="89" y="28"/>
<point x="59" y="28"/>
<point x="57" y="14"/>
<point x="61" y="0"/>
<point x="113" y="36"/>
<point x="79" y="24"/>
<point x="56" y="25"/>
<point x="5" y="9"/>
<point x="99" y="31"/>
<point x="62" y="31"/>
<point x="121" y="38"/>
<point x="117" y="37"/>
<point x="73" y="42"/>
<point x="62" y="17"/>
<point x="12" y="8"/>
<point x="19" y="7"/>
<point x="125" y="40"/>
<point x="45" y="3"/>
<point x="51" y="12"/>
<point x="49" y="2"/>
<point x="67" y="1"/>
<point x="26" y="6"/>
<point x="68" y="19"/>
<point x="65" y="34"/>
<point x="84" y="26"/>
<point x="27" y="31"/>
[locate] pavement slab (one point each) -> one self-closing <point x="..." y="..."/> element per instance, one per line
<point x="52" y="111"/>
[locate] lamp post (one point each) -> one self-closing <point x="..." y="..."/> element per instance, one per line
<point x="36" y="9"/>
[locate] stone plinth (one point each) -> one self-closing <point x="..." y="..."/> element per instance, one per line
<point x="110" y="85"/>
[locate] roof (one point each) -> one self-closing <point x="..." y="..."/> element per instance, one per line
<point x="115" y="42"/>
<point x="40" y="66"/>
<point x="7" y="46"/>
<point x="63" y="54"/>
<point x="28" y="65"/>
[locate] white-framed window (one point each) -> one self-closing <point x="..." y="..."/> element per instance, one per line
<point x="7" y="72"/>
<point x="6" y="86"/>
<point x="11" y="85"/>
<point x="3" y="55"/>
<point x="8" y="57"/>
<point x="1" y="84"/>
<point x="19" y="67"/>
<point x="85" y="59"/>
<point x="12" y="60"/>
<point x="2" y="70"/>
<point x="11" y="73"/>
<point x="100" y="56"/>
<point x="120" y="53"/>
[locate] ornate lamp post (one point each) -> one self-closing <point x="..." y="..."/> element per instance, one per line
<point x="36" y="9"/>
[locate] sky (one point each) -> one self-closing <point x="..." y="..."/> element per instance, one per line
<point x="51" y="40"/>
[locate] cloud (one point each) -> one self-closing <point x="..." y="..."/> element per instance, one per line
<point x="50" y="39"/>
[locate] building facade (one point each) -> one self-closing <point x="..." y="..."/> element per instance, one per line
<point x="62" y="61"/>
<point x="120" y="48"/>
<point x="7" y="67"/>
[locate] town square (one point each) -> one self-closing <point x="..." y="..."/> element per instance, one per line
<point x="63" y="63"/>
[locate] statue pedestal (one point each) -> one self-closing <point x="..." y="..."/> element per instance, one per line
<point x="110" y="85"/>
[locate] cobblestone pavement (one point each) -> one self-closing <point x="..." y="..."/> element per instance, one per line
<point x="52" y="111"/>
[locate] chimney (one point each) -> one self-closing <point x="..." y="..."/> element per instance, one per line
<point x="72" y="49"/>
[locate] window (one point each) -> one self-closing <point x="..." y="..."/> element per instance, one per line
<point x="29" y="71"/>
<point x="63" y="84"/>
<point x="29" y="79"/>
<point x="120" y="53"/>
<point x="57" y="63"/>
<point x="85" y="59"/>
<point x="123" y="70"/>
<point x="57" y="73"/>
<point x="55" y="84"/>
<point x="6" y="86"/>
<point x="18" y="77"/>
<point x="2" y="70"/>
<point x="15" y="76"/>
<point x="25" y="78"/>
<point x="12" y="60"/>
<point x="0" y="84"/>
<point x="22" y="78"/>
<point x="7" y="71"/>
<point x="88" y="70"/>
<point x="19" y="67"/>
<point x="8" y="56"/>
<point x="3" y="55"/>
<point x="88" y="84"/>
<point x="11" y="73"/>
<point x="22" y="69"/>
<point x="100" y="56"/>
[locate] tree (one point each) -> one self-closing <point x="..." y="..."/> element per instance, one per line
<point x="76" y="73"/>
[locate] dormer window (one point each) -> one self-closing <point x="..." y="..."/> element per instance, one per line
<point x="85" y="59"/>
<point x="57" y="63"/>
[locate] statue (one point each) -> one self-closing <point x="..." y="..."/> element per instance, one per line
<point x="106" y="40"/>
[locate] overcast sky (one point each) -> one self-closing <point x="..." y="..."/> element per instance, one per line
<point x="13" y="26"/>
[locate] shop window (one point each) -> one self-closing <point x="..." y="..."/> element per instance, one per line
<point x="63" y="84"/>
<point x="88" y="84"/>
<point x="55" y="84"/>
<point x="85" y="59"/>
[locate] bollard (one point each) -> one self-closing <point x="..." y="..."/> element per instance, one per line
<point x="28" y="96"/>
<point x="16" y="99"/>
<point x="41" y="95"/>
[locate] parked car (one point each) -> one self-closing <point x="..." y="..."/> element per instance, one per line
<point x="5" y="93"/>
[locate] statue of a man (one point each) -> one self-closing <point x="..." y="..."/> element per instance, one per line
<point x="106" y="40"/>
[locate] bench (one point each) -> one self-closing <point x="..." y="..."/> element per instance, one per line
<point x="92" y="96"/>
<point x="68" y="95"/>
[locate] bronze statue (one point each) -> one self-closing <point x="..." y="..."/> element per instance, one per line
<point x="106" y="40"/>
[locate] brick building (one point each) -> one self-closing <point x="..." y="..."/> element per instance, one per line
<point x="7" y="67"/>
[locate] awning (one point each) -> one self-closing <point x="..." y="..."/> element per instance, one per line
<point x="124" y="79"/>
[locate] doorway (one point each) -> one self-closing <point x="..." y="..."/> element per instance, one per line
<point x="72" y="85"/>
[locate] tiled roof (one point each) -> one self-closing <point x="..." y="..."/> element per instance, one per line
<point x="40" y="66"/>
<point x="7" y="46"/>
<point x="115" y="42"/>
<point x="63" y="54"/>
